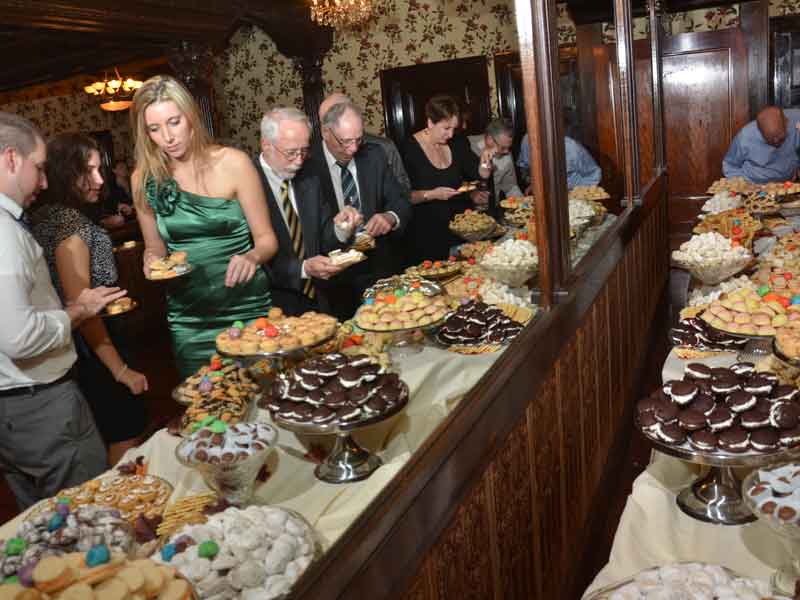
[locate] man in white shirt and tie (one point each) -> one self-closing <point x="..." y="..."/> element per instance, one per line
<point x="48" y="438"/>
<point x="304" y="225"/>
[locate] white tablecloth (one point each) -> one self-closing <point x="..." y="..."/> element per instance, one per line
<point x="437" y="381"/>
<point x="654" y="531"/>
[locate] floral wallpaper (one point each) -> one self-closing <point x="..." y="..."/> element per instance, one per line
<point x="249" y="77"/>
<point x="779" y="8"/>
<point x="416" y="31"/>
<point x="74" y="112"/>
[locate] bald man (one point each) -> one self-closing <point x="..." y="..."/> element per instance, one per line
<point x="765" y="150"/>
<point x="385" y="144"/>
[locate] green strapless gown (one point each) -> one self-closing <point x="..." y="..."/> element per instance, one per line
<point x="199" y="306"/>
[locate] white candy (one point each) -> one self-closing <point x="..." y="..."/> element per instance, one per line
<point x="511" y="253"/>
<point x="709" y="248"/>
<point x="708" y="293"/>
<point x="494" y="292"/>
<point x="722" y="201"/>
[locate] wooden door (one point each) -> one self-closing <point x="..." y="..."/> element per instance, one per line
<point x="705" y="104"/>
<point x="785" y="61"/>
<point x="405" y="91"/>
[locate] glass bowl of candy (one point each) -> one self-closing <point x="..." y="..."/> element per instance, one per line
<point x="773" y="494"/>
<point x="229" y="457"/>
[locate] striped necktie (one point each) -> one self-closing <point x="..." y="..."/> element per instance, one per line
<point x="349" y="189"/>
<point x="295" y="233"/>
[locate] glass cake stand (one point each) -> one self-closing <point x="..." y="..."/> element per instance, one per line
<point x="347" y="461"/>
<point x="405" y="342"/>
<point x="716" y="497"/>
<point x="756" y="348"/>
<point x="785" y="579"/>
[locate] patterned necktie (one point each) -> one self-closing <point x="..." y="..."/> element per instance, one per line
<point x="295" y="233"/>
<point x="349" y="189"/>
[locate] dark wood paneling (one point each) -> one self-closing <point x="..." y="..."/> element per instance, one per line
<point x="784" y="62"/>
<point x="754" y="22"/>
<point x="705" y="104"/>
<point x="643" y="67"/>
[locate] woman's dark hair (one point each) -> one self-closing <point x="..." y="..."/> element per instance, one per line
<point x="67" y="164"/>
<point x="442" y="107"/>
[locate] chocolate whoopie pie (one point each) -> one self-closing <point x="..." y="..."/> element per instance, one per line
<point x="703" y="403"/>
<point x="720" y="418"/>
<point x="790" y="437"/>
<point x="672" y="433"/>
<point x="698" y="371"/>
<point x="754" y="419"/>
<point x="764" y="440"/>
<point x="741" y="401"/>
<point x="647" y="422"/>
<point x="725" y="384"/>
<point x="666" y="414"/>
<point x="758" y="384"/>
<point x="784" y="392"/>
<point x="683" y="392"/>
<point x="784" y="415"/>
<point x="691" y="420"/>
<point x="743" y="369"/>
<point x="648" y="405"/>
<point x="703" y="440"/>
<point x="734" y="439"/>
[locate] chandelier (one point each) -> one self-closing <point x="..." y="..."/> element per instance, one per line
<point x="341" y="14"/>
<point x="115" y="94"/>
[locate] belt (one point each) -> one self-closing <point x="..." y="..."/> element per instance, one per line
<point x="36" y="387"/>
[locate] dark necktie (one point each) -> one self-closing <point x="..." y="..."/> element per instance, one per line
<point x="295" y="232"/>
<point x="349" y="189"/>
<point x="25" y="222"/>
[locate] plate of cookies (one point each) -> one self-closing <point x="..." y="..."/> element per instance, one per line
<point x="407" y="283"/>
<point x="119" y="307"/>
<point x="169" y="267"/>
<point x="276" y="335"/>
<point x="399" y="310"/>
<point x="752" y="313"/>
<point x="473" y="225"/>
<point x="221" y="377"/>
<point x="436" y="269"/>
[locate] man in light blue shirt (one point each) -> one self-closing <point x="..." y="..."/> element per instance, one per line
<point x="581" y="167"/>
<point x="765" y="150"/>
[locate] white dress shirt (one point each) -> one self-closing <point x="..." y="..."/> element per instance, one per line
<point x="336" y="178"/>
<point x="275" y="182"/>
<point x="504" y="174"/>
<point x="35" y="332"/>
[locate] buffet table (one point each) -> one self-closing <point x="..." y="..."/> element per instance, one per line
<point x="437" y="380"/>
<point x="653" y="530"/>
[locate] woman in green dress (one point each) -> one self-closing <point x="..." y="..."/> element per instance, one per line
<point x="206" y="200"/>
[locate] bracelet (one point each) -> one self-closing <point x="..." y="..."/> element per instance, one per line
<point x="122" y="371"/>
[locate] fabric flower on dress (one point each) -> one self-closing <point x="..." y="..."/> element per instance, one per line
<point x="163" y="197"/>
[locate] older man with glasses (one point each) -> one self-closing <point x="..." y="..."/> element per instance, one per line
<point x="500" y="137"/>
<point x="302" y="220"/>
<point x="358" y="175"/>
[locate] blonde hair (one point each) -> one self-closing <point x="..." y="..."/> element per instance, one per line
<point x="151" y="161"/>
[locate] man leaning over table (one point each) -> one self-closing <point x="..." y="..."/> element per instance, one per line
<point x="48" y="438"/>
<point x="765" y="150"/>
<point x="581" y="166"/>
<point x="499" y="135"/>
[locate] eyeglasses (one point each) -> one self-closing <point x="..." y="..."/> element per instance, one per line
<point x="295" y="153"/>
<point x="501" y="150"/>
<point x="345" y="143"/>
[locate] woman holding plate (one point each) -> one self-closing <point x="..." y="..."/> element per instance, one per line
<point x="437" y="167"/>
<point x="80" y="255"/>
<point x="206" y="200"/>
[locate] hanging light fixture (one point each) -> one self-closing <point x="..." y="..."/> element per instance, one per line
<point x="115" y="94"/>
<point x="341" y="14"/>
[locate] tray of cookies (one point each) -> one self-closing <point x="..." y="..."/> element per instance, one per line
<point x="737" y="224"/>
<point x="436" y="269"/>
<point x="518" y="217"/>
<point x="169" y="267"/>
<point x="254" y="552"/>
<point x="474" y="250"/>
<point x="761" y="204"/>
<point x="276" y="335"/>
<point x="750" y="313"/>
<point x="514" y="202"/>
<point x="221" y="377"/>
<point x="736" y="185"/>
<point x="100" y="572"/>
<point x="725" y="416"/>
<point x="773" y="494"/>
<point x="473" y="225"/>
<point x="588" y="192"/>
<point x="400" y="310"/>
<point x="61" y="528"/>
<point x="334" y="393"/>
<point x="686" y="580"/>
<point x="475" y="323"/>
<point x="407" y="283"/>
<point x="132" y="495"/>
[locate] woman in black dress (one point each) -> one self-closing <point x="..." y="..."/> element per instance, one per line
<point x="437" y="167"/>
<point x="79" y="254"/>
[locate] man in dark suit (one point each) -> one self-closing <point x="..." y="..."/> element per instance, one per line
<point x="357" y="174"/>
<point x="303" y="222"/>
